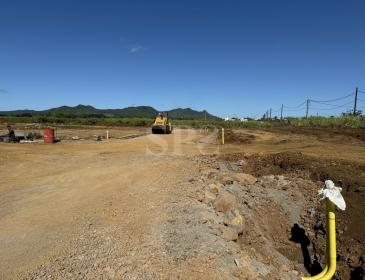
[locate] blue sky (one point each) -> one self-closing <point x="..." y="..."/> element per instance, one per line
<point x="230" y="57"/>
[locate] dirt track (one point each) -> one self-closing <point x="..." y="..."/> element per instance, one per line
<point x="130" y="208"/>
<point x="52" y="194"/>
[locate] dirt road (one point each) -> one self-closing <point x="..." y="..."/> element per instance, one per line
<point x="162" y="207"/>
<point x="104" y="204"/>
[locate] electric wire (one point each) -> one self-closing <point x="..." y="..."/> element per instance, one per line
<point x="336" y="106"/>
<point x="294" y="110"/>
<point x="294" y="107"/>
<point x="325" y="105"/>
<point x="325" y="109"/>
<point x="333" y="100"/>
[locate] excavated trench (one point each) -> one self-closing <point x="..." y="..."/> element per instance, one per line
<point x="310" y="233"/>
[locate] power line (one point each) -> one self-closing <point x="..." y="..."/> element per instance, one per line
<point x="328" y="105"/>
<point x="336" y="106"/>
<point x="294" y="107"/>
<point x="294" y="110"/>
<point x="333" y="100"/>
<point x="325" y="109"/>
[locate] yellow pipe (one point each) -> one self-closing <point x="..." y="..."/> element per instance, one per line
<point x="330" y="268"/>
<point x="222" y="136"/>
<point x="318" y="276"/>
<point x="331" y="231"/>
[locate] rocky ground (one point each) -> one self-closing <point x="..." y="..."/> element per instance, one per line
<point x="232" y="223"/>
<point x="260" y="215"/>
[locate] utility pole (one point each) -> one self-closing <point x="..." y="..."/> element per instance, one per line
<point x="355" y="104"/>
<point x="270" y="113"/>
<point x="306" y="114"/>
<point x="281" y="112"/>
<point x="267" y="114"/>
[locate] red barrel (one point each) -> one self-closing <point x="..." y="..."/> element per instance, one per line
<point x="48" y="135"/>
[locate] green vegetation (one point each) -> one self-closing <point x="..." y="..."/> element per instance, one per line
<point x="34" y="135"/>
<point x="144" y="116"/>
<point x="342" y="121"/>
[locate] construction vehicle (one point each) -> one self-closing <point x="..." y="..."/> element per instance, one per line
<point x="162" y="124"/>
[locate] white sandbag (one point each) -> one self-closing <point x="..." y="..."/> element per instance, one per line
<point x="333" y="193"/>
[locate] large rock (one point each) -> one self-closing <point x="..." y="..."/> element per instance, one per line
<point x="245" y="178"/>
<point x="225" y="201"/>
<point x="234" y="219"/>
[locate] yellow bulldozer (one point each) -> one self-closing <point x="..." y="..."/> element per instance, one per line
<point x="162" y="124"/>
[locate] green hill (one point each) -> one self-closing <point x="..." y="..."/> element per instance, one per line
<point x="87" y="110"/>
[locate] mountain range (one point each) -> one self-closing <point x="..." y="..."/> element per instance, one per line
<point x="87" y="110"/>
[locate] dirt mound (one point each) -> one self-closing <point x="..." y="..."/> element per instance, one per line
<point x="237" y="138"/>
<point x="323" y="133"/>
<point x="255" y="219"/>
<point x="346" y="174"/>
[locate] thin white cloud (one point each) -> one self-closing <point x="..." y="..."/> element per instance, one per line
<point x="131" y="45"/>
<point x="137" y="49"/>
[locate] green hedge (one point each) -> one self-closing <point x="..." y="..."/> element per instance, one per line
<point x="348" y="121"/>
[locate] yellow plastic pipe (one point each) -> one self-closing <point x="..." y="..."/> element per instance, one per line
<point x="318" y="276"/>
<point x="222" y="136"/>
<point x="330" y="268"/>
<point x="331" y="241"/>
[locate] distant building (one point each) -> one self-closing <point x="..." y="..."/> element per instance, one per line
<point x="236" y="119"/>
<point x="231" y="119"/>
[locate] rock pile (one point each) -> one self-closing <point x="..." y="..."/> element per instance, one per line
<point x="257" y="214"/>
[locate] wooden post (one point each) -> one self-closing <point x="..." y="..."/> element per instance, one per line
<point x="306" y="113"/>
<point x="355" y="104"/>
